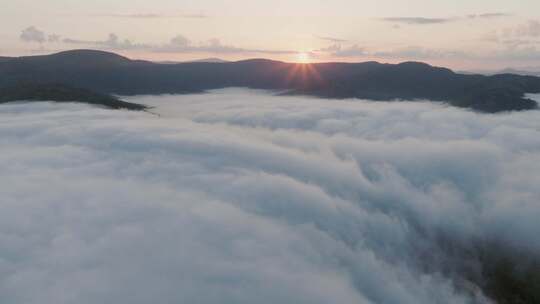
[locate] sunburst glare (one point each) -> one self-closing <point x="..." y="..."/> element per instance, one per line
<point x="303" y="57"/>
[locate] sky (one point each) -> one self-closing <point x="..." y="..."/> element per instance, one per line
<point x="461" y="34"/>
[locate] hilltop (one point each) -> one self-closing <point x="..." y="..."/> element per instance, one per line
<point x="109" y="73"/>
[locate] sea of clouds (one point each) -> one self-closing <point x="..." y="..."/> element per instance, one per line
<point x="239" y="196"/>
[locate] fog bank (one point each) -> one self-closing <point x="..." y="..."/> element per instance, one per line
<point x="239" y="196"/>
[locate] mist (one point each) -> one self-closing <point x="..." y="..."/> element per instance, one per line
<point x="241" y="196"/>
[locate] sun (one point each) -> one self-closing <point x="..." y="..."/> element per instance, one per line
<point x="303" y="57"/>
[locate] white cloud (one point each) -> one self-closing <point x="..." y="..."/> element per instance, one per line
<point x="32" y="34"/>
<point x="53" y="38"/>
<point x="180" y="41"/>
<point x="242" y="197"/>
<point x="178" y="44"/>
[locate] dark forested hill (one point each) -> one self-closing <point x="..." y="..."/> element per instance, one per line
<point x="110" y="73"/>
<point x="62" y="93"/>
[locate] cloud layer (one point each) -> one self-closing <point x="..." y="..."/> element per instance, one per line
<point x="418" y="20"/>
<point x="242" y="197"/>
<point x="431" y="20"/>
<point x="156" y="15"/>
<point x="177" y="44"/>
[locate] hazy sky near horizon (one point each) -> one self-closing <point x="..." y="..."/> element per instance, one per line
<point x="477" y="34"/>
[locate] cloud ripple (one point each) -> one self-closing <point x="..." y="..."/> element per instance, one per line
<point x="241" y="197"/>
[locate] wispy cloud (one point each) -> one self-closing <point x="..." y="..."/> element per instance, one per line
<point x="488" y="15"/>
<point x="53" y="38"/>
<point x="33" y="34"/>
<point x="337" y="50"/>
<point x="417" y="20"/>
<point x="112" y="42"/>
<point x="405" y="53"/>
<point x="531" y="29"/>
<point x="430" y="20"/>
<point x="178" y="44"/>
<point x="419" y="53"/>
<point x="332" y="39"/>
<point x="520" y="39"/>
<point x="155" y="15"/>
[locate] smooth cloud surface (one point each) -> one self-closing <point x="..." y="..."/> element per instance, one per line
<point x="241" y="197"/>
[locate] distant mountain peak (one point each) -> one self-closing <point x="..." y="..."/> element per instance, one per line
<point x="90" y="53"/>
<point x="258" y="61"/>
<point x="111" y="73"/>
<point x="81" y="58"/>
<point x="211" y="60"/>
<point x="84" y="56"/>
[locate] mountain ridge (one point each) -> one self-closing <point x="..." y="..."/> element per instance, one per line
<point x="110" y="73"/>
<point x="62" y="93"/>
